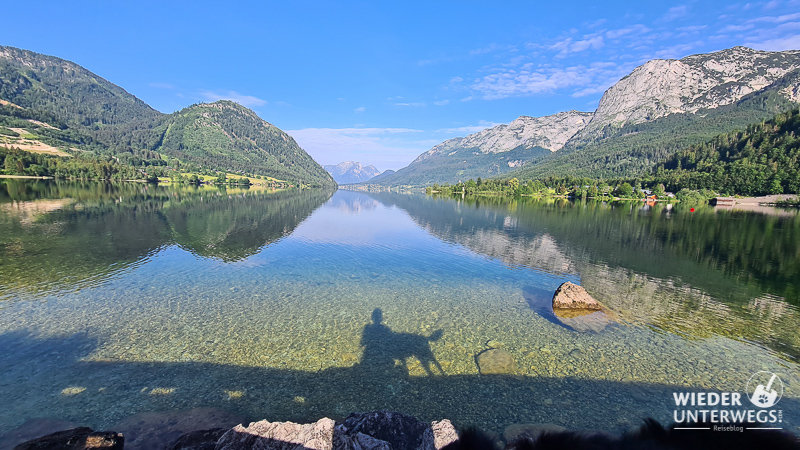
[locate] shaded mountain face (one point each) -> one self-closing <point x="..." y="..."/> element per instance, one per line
<point x="658" y="109"/>
<point x="70" y="108"/>
<point x="351" y="172"/>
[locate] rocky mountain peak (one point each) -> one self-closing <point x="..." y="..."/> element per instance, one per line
<point x="548" y="132"/>
<point x="661" y="87"/>
<point x="351" y="172"/>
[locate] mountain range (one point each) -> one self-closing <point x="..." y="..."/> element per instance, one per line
<point x="351" y="172"/>
<point x="50" y="104"/>
<point x="660" y="108"/>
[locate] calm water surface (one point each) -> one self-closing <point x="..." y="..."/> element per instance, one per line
<point x="122" y="299"/>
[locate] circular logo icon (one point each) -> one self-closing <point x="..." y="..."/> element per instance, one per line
<point x="764" y="389"/>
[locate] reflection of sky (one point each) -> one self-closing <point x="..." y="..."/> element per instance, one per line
<point x="350" y="218"/>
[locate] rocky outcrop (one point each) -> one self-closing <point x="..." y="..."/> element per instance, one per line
<point x="377" y="430"/>
<point x="572" y="296"/>
<point x="279" y="436"/>
<point x="548" y="132"/>
<point x="76" y="439"/>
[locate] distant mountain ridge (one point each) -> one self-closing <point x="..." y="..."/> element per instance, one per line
<point x="351" y="172"/>
<point x="673" y="102"/>
<point x="69" y="108"/>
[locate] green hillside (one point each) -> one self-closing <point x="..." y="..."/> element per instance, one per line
<point x="228" y="135"/>
<point x="633" y="150"/>
<point x="763" y="159"/>
<point x="55" y="107"/>
<point x="460" y="165"/>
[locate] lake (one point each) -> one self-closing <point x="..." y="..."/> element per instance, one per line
<point x="118" y="299"/>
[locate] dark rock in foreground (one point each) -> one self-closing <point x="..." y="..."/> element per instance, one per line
<point x="76" y="439"/>
<point x="377" y="430"/>
<point x="33" y="429"/>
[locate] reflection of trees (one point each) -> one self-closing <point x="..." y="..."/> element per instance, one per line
<point x="693" y="273"/>
<point x="61" y="235"/>
<point x="233" y="227"/>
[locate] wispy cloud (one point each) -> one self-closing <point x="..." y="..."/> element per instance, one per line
<point x="631" y="30"/>
<point x="568" y="46"/>
<point x="676" y="12"/>
<point x="777" y="44"/>
<point x="244" y="100"/>
<point x="411" y="104"/>
<point x="469" y="129"/>
<point x="441" y="102"/>
<point x="162" y="85"/>
<point x="360" y="109"/>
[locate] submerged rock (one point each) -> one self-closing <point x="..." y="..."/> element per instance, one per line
<point x="76" y="439"/>
<point x="572" y="296"/>
<point x="496" y="361"/>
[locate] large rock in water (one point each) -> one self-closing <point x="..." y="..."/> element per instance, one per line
<point x="496" y="361"/>
<point x="377" y="430"/>
<point x="572" y="296"/>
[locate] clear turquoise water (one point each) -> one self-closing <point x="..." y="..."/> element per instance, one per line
<point x="121" y="300"/>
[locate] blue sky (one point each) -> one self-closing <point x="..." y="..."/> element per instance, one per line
<point x="382" y="82"/>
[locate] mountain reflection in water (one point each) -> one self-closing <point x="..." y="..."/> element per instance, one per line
<point x="125" y="298"/>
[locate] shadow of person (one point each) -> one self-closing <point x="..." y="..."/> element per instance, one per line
<point x="387" y="351"/>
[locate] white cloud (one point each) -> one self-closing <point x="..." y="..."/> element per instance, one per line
<point x="777" y="44"/>
<point x="771" y="5"/>
<point x="676" y="12"/>
<point x="618" y="33"/>
<point x="244" y="100"/>
<point x="469" y="129"/>
<point x="568" y="46"/>
<point x="526" y="82"/>
<point x="411" y="104"/>
<point x="776" y="19"/>
<point x="162" y="85"/>
<point x="384" y="147"/>
<point x="360" y="109"/>
<point x="441" y="102"/>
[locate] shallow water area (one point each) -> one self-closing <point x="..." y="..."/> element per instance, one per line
<point x="296" y="305"/>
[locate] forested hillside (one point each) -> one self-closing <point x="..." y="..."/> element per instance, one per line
<point x="81" y="125"/>
<point x="226" y="134"/>
<point x="763" y="159"/>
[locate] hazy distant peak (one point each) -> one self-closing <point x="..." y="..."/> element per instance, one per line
<point x="351" y="172"/>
